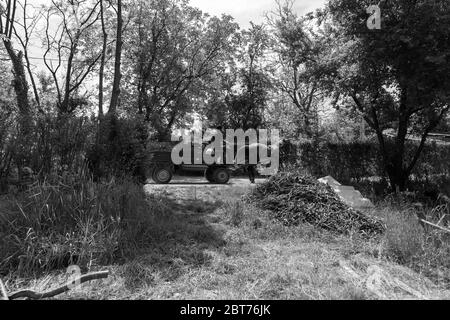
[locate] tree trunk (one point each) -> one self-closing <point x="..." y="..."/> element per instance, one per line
<point x="65" y="105"/>
<point x="398" y="178"/>
<point x="102" y="62"/>
<point x="117" y="73"/>
<point x="21" y="90"/>
<point x="20" y="80"/>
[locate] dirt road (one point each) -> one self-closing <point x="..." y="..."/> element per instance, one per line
<point x="198" y="188"/>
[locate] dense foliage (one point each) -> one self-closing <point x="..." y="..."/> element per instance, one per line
<point x="354" y="161"/>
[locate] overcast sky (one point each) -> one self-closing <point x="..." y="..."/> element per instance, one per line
<point x="245" y="11"/>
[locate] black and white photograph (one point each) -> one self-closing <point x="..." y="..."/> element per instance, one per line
<point x="224" y="157"/>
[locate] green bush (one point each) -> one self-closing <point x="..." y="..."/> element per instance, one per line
<point x="121" y="150"/>
<point x="59" y="143"/>
<point x="358" y="160"/>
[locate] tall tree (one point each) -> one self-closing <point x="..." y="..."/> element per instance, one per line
<point x="245" y="85"/>
<point x="71" y="43"/>
<point x="176" y="51"/>
<point x="7" y="21"/>
<point x="28" y="25"/>
<point x="398" y="77"/>
<point x="297" y="51"/>
<point x="20" y="84"/>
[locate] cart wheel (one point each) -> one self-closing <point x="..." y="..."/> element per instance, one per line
<point x="221" y="175"/>
<point x="209" y="175"/>
<point x="162" y="175"/>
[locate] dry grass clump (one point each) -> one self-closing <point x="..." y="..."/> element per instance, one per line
<point x="295" y="198"/>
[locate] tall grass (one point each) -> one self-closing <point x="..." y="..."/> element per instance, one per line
<point x="52" y="226"/>
<point x="404" y="236"/>
<point x="234" y="211"/>
<point x="424" y="249"/>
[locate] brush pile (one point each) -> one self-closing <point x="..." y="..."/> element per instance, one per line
<point x="294" y="198"/>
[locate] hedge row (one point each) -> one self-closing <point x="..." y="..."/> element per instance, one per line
<point x="353" y="161"/>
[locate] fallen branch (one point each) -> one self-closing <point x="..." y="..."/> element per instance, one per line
<point x="37" y="296"/>
<point x="435" y="225"/>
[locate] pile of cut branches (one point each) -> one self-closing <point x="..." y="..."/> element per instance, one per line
<point x="294" y="198"/>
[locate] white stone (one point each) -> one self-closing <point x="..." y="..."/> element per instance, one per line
<point x="348" y="194"/>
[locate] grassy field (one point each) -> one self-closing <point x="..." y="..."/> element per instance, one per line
<point x="219" y="247"/>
